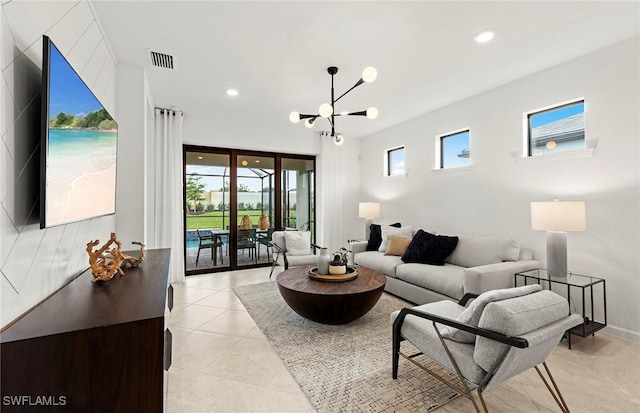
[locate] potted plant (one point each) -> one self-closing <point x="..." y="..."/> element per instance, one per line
<point x="339" y="263"/>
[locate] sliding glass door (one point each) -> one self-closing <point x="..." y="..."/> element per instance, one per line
<point x="207" y="210"/>
<point x="234" y="200"/>
<point x="255" y="207"/>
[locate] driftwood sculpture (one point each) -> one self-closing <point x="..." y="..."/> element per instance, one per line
<point x="106" y="262"/>
<point x="131" y="260"/>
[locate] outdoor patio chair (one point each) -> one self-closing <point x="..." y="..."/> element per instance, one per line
<point x="247" y="240"/>
<point x="500" y="335"/>
<point x="286" y="257"/>
<point x="208" y="240"/>
<point x="265" y="239"/>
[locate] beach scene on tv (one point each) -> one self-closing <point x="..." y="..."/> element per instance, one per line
<point x="81" y="149"/>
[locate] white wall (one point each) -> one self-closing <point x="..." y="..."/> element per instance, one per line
<point x="130" y="200"/>
<point x="35" y="262"/>
<point x="493" y="196"/>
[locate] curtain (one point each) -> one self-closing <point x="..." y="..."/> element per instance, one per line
<point x="168" y="222"/>
<point x="332" y="190"/>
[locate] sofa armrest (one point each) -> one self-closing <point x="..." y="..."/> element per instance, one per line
<point x="358" y="246"/>
<point x="478" y="280"/>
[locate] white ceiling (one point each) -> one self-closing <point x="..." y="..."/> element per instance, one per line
<point x="276" y="53"/>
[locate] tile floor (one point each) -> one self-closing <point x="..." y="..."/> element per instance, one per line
<point x="223" y="363"/>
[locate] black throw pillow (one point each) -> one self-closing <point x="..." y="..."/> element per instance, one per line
<point x="427" y="248"/>
<point x="375" y="237"/>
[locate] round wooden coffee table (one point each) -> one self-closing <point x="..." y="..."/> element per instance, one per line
<point x="330" y="302"/>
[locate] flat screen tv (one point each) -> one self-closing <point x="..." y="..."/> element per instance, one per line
<point x="78" y="147"/>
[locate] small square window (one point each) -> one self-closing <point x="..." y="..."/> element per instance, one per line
<point x="395" y="161"/>
<point x="558" y="129"/>
<point x="454" y="150"/>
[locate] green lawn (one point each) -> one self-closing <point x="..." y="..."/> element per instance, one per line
<point x="214" y="219"/>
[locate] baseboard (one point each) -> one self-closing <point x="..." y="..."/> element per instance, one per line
<point x="623" y="333"/>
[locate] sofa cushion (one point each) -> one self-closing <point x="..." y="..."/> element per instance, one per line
<point x="375" y="236"/>
<point x="446" y="279"/>
<point x="471" y="315"/>
<point x="427" y="248"/>
<point x="473" y="251"/>
<point x="375" y="260"/>
<point x="406" y="232"/>
<point x="397" y="245"/>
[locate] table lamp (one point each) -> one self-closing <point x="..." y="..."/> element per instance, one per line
<point x="557" y="218"/>
<point x="369" y="211"/>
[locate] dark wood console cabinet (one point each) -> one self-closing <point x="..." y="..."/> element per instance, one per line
<point x="93" y="346"/>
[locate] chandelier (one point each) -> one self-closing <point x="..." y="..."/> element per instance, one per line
<point x="327" y="110"/>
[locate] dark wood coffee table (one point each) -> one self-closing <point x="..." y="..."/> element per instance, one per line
<point x="330" y="302"/>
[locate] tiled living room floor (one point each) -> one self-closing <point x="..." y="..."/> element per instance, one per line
<point x="223" y="363"/>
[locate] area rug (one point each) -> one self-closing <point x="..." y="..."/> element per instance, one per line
<point x="344" y="368"/>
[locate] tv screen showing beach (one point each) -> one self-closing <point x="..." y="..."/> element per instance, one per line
<point x="81" y="143"/>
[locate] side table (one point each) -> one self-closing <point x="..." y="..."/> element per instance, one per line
<point x="583" y="283"/>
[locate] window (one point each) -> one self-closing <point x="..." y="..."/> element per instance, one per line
<point x="556" y="129"/>
<point x="395" y="161"/>
<point x="454" y="150"/>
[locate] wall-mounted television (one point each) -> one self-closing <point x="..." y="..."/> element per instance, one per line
<point x="78" y="146"/>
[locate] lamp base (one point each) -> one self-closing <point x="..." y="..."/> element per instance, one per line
<point x="557" y="254"/>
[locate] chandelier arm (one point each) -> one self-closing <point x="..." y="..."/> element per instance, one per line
<point x="358" y="83"/>
<point x="306" y="116"/>
<point x="360" y="113"/>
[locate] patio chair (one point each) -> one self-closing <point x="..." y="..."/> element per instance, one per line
<point x="288" y="257"/>
<point x="208" y="240"/>
<point x="500" y="335"/>
<point x="247" y="240"/>
<point x="265" y="239"/>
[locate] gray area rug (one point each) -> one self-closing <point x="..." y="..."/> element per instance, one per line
<point x="346" y="367"/>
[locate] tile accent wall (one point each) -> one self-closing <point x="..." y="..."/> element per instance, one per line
<point x="34" y="262"/>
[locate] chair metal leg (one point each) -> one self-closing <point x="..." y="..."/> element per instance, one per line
<point x="557" y="396"/>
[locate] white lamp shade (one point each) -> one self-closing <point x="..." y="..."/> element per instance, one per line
<point x="558" y="216"/>
<point x="372" y="113"/>
<point x="369" y="210"/>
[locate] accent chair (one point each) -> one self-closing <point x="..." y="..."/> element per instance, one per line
<point x="499" y="335"/>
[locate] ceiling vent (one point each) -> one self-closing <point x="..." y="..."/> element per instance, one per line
<point x="161" y="60"/>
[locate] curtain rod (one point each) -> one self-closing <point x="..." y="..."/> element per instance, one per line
<point x="172" y="111"/>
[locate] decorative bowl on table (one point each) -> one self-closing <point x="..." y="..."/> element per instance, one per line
<point x="351" y="274"/>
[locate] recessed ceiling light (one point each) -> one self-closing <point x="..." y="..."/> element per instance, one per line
<point x="200" y="157"/>
<point x="232" y="92"/>
<point x="484" y="36"/>
<point x="244" y="162"/>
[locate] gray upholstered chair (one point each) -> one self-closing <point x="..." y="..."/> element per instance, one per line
<point x="283" y="256"/>
<point x="499" y="335"/>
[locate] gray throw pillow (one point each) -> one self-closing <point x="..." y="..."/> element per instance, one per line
<point x="471" y="315"/>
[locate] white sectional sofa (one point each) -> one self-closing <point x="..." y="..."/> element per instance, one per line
<point x="477" y="264"/>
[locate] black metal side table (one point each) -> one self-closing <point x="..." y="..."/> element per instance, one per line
<point x="573" y="281"/>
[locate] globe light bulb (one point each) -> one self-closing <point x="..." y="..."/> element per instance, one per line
<point x="325" y="110"/>
<point x="308" y="123"/>
<point x="294" y="117"/>
<point x="338" y="139"/>
<point x="372" y="113"/>
<point x="369" y="74"/>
